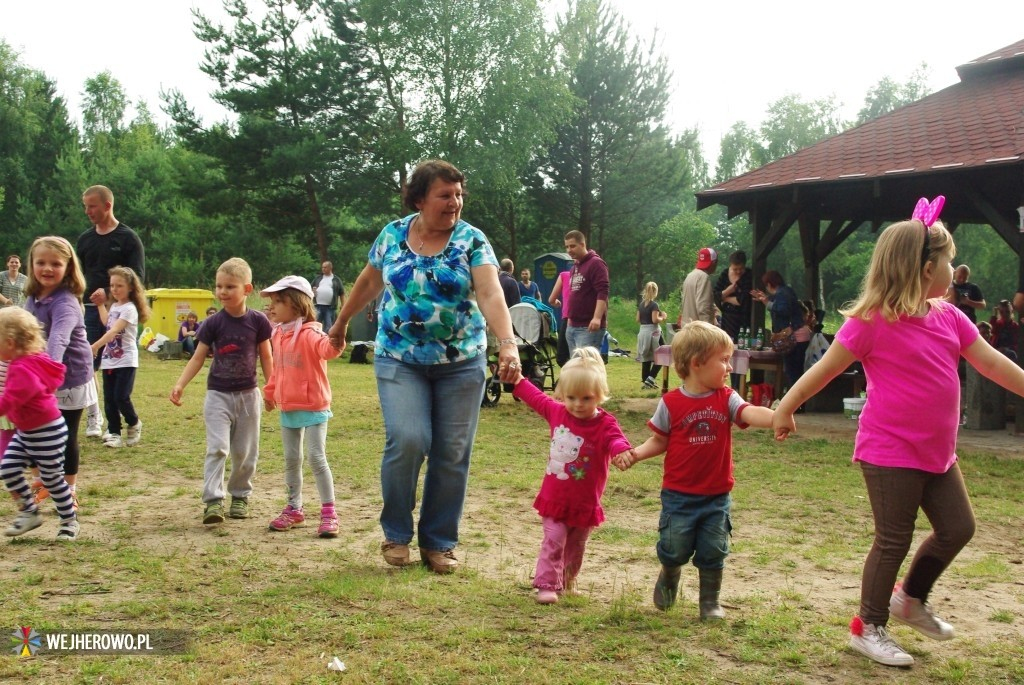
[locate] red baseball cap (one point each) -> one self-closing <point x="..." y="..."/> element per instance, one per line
<point x="706" y="257"/>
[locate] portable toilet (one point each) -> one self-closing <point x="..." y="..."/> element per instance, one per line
<point x="171" y="306"/>
<point x="546" y="269"/>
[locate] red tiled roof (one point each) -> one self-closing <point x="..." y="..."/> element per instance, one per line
<point x="978" y="122"/>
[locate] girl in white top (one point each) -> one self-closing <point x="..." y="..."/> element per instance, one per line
<point x="120" y="358"/>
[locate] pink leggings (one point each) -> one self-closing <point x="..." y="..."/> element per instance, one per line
<point x="896" y="495"/>
<point x="561" y="554"/>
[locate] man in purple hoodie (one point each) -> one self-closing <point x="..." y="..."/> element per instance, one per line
<point x="588" y="305"/>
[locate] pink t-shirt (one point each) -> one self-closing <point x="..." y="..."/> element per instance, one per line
<point x="912" y="411"/>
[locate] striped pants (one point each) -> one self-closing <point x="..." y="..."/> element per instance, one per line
<point x="42" y="447"/>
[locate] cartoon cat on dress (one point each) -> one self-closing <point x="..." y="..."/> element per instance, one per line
<point x="565" y="448"/>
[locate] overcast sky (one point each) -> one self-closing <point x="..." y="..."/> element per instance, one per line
<point x="730" y="58"/>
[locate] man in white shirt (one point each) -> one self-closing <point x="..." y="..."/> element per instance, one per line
<point x="328" y="295"/>
<point x="698" y="294"/>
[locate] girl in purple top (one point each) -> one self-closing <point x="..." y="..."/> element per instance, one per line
<point x="54" y="290"/>
<point x="909" y="341"/>
<point x="584" y="438"/>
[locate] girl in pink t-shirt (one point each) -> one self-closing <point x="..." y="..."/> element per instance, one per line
<point x="584" y="439"/>
<point x="909" y="341"/>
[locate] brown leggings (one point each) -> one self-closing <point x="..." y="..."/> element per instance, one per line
<point x="896" y="495"/>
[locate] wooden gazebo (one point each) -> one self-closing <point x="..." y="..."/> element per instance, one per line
<point x="965" y="142"/>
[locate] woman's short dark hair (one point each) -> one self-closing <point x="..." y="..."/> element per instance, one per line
<point x="773" y="278"/>
<point x="424" y="175"/>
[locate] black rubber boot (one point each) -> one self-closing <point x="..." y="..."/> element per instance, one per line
<point x="710" y="586"/>
<point x="666" y="587"/>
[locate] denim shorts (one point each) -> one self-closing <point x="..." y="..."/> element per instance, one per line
<point x="696" y="526"/>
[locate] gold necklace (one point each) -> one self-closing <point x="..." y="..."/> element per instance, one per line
<point x="416" y="225"/>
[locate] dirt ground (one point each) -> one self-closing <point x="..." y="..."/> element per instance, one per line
<point x="501" y="536"/>
<point x="503" y="547"/>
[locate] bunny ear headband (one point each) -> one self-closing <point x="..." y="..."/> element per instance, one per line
<point x="927" y="212"/>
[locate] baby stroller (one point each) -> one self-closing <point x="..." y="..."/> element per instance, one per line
<point x="536" y="339"/>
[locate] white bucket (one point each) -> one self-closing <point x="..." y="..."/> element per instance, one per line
<point x="853" y="406"/>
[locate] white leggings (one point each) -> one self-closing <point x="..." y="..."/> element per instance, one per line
<point x="316" y="441"/>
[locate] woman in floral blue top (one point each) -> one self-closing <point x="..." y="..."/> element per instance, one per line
<point x="439" y="279"/>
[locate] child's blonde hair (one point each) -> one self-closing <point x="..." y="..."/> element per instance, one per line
<point x="300" y="302"/>
<point x="74" y="281"/>
<point x="238" y="268"/>
<point x="136" y="291"/>
<point x="892" y="285"/>
<point x="584" y="372"/>
<point x="24" y="329"/>
<point x="697" y="340"/>
<point x="650" y="292"/>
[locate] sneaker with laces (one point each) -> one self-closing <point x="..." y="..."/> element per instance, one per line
<point x="68" y="530"/>
<point x="287" y="519"/>
<point x="133" y="435"/>
<point x="24" y="522"/>
<point x="650" y="383"/>
<point x="546" y="596"/>
<point x="328" y="524"/>
<point x="918" y="615"/>
<point x="94" y="426"/>
<point x="239" y="508"/>
<point x="874" y="643"/>
<point x="113" y="441"/>
<point x="214" y="512"/>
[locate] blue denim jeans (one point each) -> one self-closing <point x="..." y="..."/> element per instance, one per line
<point x="580" y="336"/>
<point x="694" y="525"/>
<point x="325" y="315"/>
<point x="430" y="411"/>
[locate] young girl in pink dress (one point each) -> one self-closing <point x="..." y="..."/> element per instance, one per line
<point x="584" y="439"/>
<point x="909" y="340"/>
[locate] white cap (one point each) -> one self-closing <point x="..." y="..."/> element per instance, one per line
<point x="297" y="282"/>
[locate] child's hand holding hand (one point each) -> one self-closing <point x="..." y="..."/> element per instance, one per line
<point x="269" y="404"/>
<point x="96" y="347"/>
<point x="624" y="460"/>
<point x="783" y="424"/>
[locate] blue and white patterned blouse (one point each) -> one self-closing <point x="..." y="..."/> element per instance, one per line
<point x="429" y="313"/>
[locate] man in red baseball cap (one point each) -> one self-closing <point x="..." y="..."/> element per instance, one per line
<point x="698" y="295"/>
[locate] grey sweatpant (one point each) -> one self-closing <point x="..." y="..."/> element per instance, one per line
<point x="232" y="427"/>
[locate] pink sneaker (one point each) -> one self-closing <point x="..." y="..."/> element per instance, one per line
<point x="287" y="519"/>
<point x="328" y="524"/>
<point x="547" y="597"/>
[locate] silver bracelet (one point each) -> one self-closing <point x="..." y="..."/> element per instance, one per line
<point x="507" y="341"/>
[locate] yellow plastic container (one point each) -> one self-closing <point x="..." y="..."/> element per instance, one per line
<point x="171" y="306"/>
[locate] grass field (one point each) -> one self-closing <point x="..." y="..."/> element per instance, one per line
<point x="263" y="607"/>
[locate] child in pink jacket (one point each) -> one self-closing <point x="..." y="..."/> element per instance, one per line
<point x="298" y="387"/>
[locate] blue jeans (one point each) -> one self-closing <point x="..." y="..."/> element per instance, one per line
<point x="325" y="315"/>
<point x="694" y="525"/>
<point x="430" y="411"/>
<point x="94" y="330"/>
<point x="580" y="336"/>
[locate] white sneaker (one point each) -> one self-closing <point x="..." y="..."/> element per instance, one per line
<point x="24" y="522"/>
<point x="68" y="530"/>
<point x="94" y="426"/>
<point x="874" y="643"/>
<point x="108" y="436"/>
<point x="918" y="615"/>
<point x="114" y="441"/>
<point x="133" y="435"/>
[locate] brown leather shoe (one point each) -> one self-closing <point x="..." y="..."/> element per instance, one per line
<point x="395" y="554"/>
<point x="439" y="562"/>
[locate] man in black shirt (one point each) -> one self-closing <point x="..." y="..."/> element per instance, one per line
<point x="107" y="244"/>
<point x="508" y="282"/>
